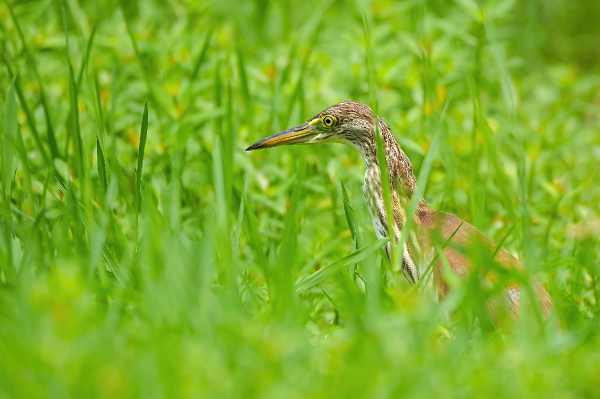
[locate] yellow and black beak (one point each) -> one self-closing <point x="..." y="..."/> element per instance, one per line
<point x="297" y="135"/>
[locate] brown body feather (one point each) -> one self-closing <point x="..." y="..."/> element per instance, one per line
<point x="443" y="225"/>
<point x="436" y="225"/>
<point x="352" y="123"/>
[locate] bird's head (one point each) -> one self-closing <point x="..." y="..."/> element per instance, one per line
<point x="348" y="122"/>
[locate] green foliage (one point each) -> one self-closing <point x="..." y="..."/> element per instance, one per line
<point x="219" y="273"/>
<point x="8" y="142"/>
<point x="323" y="274"/>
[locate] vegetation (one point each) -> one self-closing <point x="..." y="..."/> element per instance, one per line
<point x="144" y="253"/>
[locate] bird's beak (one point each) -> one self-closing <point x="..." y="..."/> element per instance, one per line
<point x="302" y="134"/>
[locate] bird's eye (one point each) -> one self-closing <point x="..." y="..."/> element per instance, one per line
<point x="328" y="121"/>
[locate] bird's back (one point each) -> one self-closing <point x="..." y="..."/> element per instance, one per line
<point x="471" y="251"/>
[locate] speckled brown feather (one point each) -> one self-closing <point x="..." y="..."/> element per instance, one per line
<point x="355" y="127"/>
<point x="445" y="224"/>
<point x="403" y="184"/>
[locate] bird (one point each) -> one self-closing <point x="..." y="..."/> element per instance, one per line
<point x="354" y="124"/>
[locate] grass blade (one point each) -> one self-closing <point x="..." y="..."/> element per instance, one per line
<point x="201" y="57"/>
<point x="424" y="176"/>
<point x="230" y="135"/>
<point x="86" y="58"/>
<point x="8" y="141"/>
<point x="352" y="225"/>
<point x="161" y="102"/>
<point x="138" y="172"/>
<point x="73" y="127"/>
<point x="244" y="81"/>
<point x="101" y="166"/>
<point x="427" y="273"/>
<point x="33" y="64"/>
<point x="256" y="241"/>
<point x="200" y="61"/>
<point x="289" y="236"/>
<point x="238" y="229"/>
<point x="98" y="106"/>
<point x="222" y="230"/>
<point x="140" y="162"/>
<point x="114" y="93"/>
<point x="350" y="217"/>
<point x="369" y="59"/>
<point x="304" y="284"/>
<point x="28" y="115"/>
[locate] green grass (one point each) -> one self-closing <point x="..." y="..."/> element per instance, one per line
<point x="144" y="253"/>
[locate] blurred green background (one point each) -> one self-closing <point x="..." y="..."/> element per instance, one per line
<point x="180" y="280"/>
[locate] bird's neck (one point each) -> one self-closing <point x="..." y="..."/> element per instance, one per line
<point x="399" y="168"/>
<point x="402" y="186"/>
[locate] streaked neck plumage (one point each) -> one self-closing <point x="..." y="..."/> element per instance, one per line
<point x="402" y="186"/>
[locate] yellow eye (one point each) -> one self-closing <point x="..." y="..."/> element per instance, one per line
<point x="328" y="121"/>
